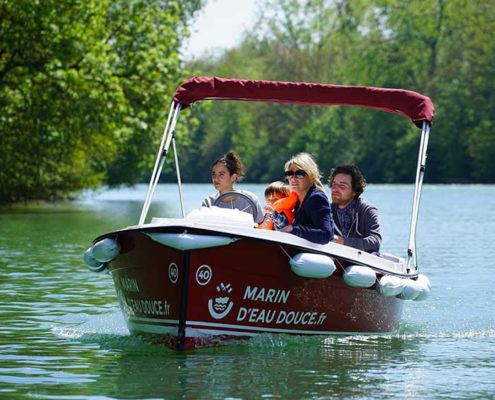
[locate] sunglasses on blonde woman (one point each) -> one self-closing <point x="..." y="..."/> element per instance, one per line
<point x="299" y="174"/>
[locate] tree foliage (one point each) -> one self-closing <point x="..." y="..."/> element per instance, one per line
<point x="84" y="91"/>
<point x="441" y="48"/>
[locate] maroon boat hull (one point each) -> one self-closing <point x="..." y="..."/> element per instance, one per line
<point x="200" y="297"/>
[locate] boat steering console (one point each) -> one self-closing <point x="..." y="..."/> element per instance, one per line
<point x="237" y="200"/>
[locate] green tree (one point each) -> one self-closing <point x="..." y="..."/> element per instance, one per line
<point x="84" y="91"/>
<point x="444" y="49"/>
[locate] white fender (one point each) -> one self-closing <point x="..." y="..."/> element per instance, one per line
<point x="411" y="290"/>
<point x="390" y="285"/>
<point x="425" y="287"/>
<point x="310" y="265"/>
<point x="187" y="241"/>
<point x="91" y="263"/>
<point x="106" y="250"/>
<point x="424" y="279"/>
<point x="359" y="276"/>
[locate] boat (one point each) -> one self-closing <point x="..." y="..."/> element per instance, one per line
<point x="210" y="277"/>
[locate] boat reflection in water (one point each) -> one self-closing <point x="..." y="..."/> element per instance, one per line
<point x="340" y="365"/>
<point x="211" y="278"/>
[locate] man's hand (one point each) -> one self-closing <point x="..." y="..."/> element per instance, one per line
<point x="338" y="239"/>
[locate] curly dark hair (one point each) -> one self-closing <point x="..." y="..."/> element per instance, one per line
<point x="357" y="178"/>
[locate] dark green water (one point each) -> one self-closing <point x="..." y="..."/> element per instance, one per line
<point x="62" y="335"/>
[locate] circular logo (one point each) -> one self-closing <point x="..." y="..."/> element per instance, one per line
<point x="173" y="272"/>
<point x="203" y="275"/>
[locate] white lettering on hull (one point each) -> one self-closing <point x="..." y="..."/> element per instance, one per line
<point x="266" y="295"/>
<point x="129" y="284"/>
<point x="148" y="307"/>
<point x="133" y="306"/>
<point x="256" y="315"/>
<point x="279" y="317"/>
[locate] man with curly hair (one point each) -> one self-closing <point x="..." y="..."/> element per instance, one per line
<point x="356" y="221"/>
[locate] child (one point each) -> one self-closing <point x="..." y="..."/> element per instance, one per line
<point x="276" y="191"/>
<point x="279" y="205"/>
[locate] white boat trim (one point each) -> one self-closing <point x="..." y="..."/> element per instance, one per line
<point x="154" y="320"/>
<point x="268" y="330"/>
<point x="150" y="328"/>
<point x="355" y="256"/>
<point x="155" y="325"/>
<point x="241" y="333"/>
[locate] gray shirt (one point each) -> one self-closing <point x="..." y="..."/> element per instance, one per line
<point x="240" y="203"/>
<point x="364" y="232"/>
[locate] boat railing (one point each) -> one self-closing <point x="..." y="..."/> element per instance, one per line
<point x="412" y="262"/>
<point x="168" y="137"/>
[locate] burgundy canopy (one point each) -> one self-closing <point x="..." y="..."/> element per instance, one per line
<point x="412" y="105"/>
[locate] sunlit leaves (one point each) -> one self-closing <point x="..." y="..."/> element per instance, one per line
<point x="444" y="49"/>
<point x="84" y="91"/>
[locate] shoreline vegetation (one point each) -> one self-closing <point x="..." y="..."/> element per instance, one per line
<point x="85" y="91"/>
<point x="59" y="203"/>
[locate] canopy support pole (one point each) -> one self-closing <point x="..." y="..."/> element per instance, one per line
<point x="179" y="182"/>
<point x="412" y="261"/>
<point x="160" y="158"/>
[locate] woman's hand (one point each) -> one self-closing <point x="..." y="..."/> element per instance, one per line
<point x="287" y="229"/>
<point x="279" y="220"/>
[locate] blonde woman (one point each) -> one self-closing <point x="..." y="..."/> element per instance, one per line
<point x="313" y="219"/>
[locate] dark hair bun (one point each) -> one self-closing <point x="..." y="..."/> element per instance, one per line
<point x="232" y="162"/>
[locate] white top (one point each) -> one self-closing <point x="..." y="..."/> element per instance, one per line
<point x="240" y="203"/>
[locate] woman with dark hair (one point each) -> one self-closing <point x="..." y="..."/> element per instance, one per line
<point x="225" y="171"/>
<point x="312" y="216"/>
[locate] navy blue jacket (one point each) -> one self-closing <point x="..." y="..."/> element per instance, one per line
<point x="313" y="220"/>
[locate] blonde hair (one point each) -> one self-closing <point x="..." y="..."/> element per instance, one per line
<point x="305" y="162"/>
<point x="277" y="188"/>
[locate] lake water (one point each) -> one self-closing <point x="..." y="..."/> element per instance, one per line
<point x="62" y="335"/>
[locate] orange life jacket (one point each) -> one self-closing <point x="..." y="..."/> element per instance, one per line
<point x="285" y="205"/>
